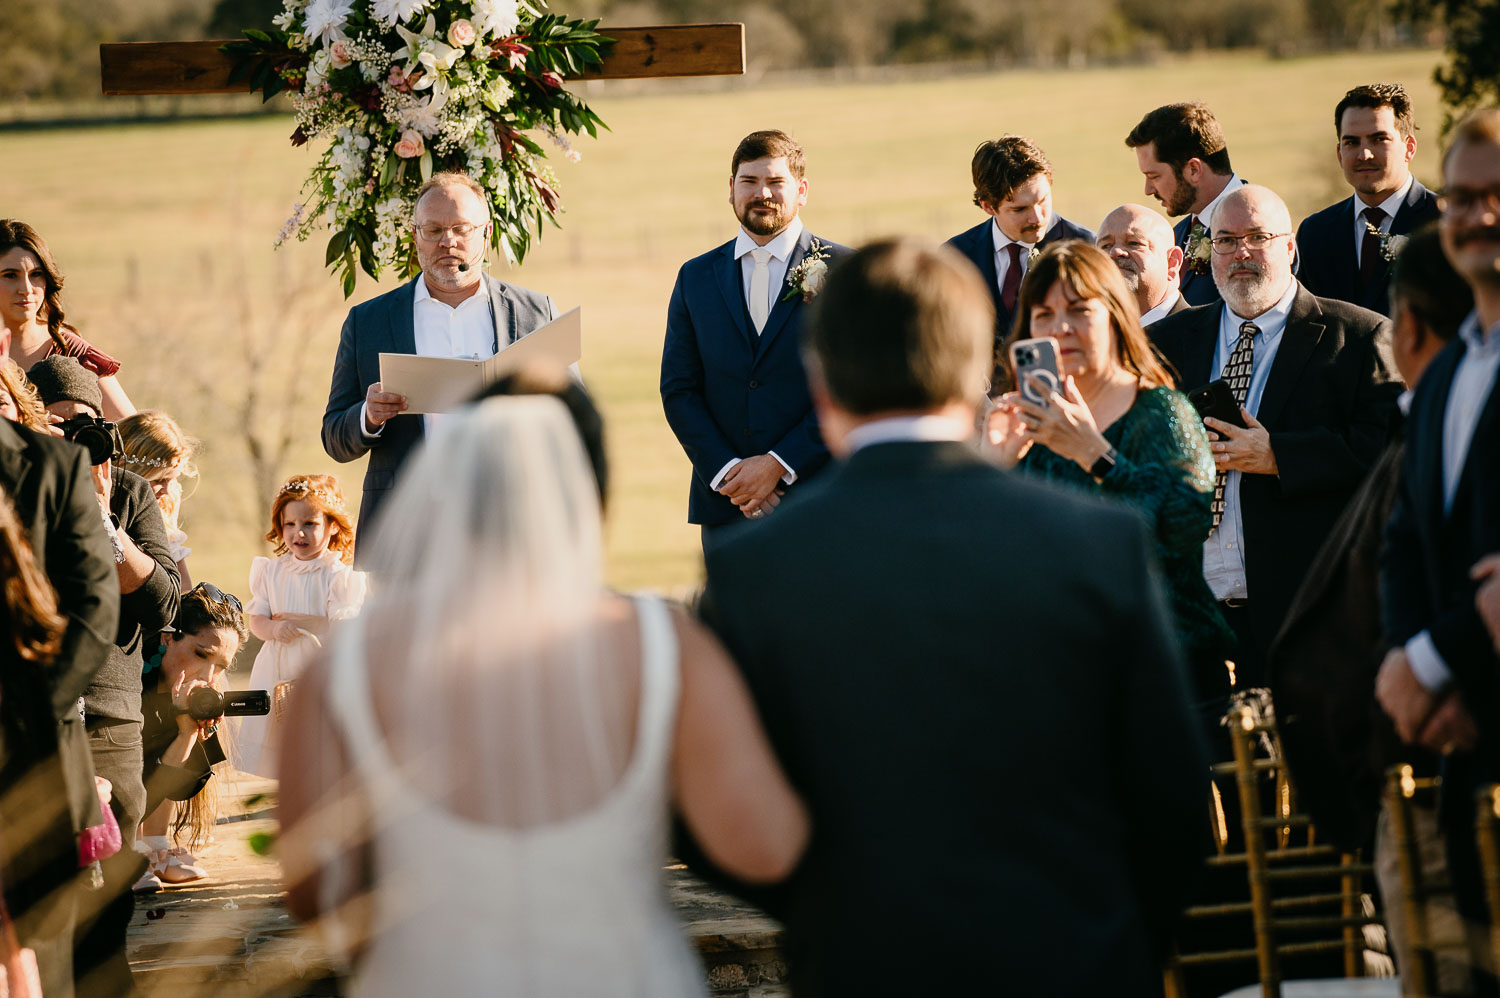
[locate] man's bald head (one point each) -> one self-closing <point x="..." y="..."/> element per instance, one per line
<point x="1253" y="278"/>
<point x="1141" y="243"/>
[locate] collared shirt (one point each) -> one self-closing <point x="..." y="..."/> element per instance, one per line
<point x="1162" y="308"/>
<point x="780" y="248"/>
<point x="906" y="429"/>
<point x="1224" y="551"/>
<point x="1473" y="383"/>
<point x="1206" y="216"/>
<point x="1390" y="206"/>
<point x="1002" y="258"/>
<point x="466" y="330"/>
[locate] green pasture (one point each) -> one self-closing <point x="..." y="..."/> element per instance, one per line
<point x="165" y="232"/>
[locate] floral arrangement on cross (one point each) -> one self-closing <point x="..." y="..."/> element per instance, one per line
<point x="409" y="87"/>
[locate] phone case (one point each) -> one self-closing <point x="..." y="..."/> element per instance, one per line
<point x="1216" y="400"/>
<point x="1035" y="356"/>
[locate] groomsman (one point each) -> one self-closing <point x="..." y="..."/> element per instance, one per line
<point x="1012" y="185"/>
<point x="732" y="382"/>
<point x="1141" y="244"/>
<point x="1347" y="247"/>
<point x="1180" y="149"/>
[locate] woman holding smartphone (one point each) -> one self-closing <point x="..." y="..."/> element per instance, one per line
<point x="1114" y="424"/>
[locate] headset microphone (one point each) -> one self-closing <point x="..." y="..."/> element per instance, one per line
<point x="463" y="268"/>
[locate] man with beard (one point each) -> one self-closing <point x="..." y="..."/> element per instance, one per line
<point x="1140" y="243"/>
<point x="1438" y="681"/>
<point x="1314" y="384"/>
<point x="1180" y="149"/>
<point x="732" y="382"/>
<point x="1347" y="247"/>
<point x="1013" y="185"/>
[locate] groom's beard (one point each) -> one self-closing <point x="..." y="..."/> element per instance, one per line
<point x="766" y="223"/>
<point x="1183" y="198"/>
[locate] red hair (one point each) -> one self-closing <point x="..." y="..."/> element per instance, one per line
<point x="323" y="494"/>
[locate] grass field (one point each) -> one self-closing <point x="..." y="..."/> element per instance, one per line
<point x="165" y="233"/>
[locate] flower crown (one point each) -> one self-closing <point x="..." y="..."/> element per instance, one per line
<point x="299" y="488"/>
<point x="148" y="462"/>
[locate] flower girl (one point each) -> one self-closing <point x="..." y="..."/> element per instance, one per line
<point x="293" y="597"/>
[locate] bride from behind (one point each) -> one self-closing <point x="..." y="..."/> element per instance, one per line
<point x="477" y="782"/>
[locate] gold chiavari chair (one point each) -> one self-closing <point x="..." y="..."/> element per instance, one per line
<point x="1402" y="786"/>
<point x="1487" y="827"/>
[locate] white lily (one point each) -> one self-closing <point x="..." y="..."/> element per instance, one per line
<point x="425" y="48"/>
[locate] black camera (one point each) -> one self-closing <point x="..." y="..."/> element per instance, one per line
<point x="94" y="433"/>
<point x="208" y="704"/>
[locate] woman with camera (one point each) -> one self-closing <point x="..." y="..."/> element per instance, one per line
<point x="180" y="748"/>
<point x="1114" y="425"/>
<point x="31" y="310"/>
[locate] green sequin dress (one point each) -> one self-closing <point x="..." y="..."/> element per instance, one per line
<point x="1166" y="471"/>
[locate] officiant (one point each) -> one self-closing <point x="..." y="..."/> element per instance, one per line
<point x="451" y="309"/>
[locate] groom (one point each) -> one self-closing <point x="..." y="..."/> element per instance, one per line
<point x="732" y="382"/>
<point x="452" y="309"/>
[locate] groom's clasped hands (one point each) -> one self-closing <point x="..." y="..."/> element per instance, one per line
<point x="752" y="485"/>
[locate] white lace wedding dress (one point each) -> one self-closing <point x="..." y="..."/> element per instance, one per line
<point x="574" y="907"/>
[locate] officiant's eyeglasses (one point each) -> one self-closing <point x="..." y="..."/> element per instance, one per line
<point x="1462" y="200"/>
<point x="432" y="233"/>
<point x="1225" y="245"/>
<point x="218" y="595"/>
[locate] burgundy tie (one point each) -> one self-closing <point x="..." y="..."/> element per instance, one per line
<point x="1012" y="285"/>
<point x="1369" y="248"/>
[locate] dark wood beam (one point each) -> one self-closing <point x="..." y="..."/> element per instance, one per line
<point x="138" y="68"/>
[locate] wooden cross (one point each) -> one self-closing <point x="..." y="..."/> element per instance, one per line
<point x="139" y="68"/>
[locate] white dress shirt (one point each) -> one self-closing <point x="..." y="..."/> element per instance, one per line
<point x="781" y="249"/>
<point x="1002" y="258"/>
<point x="1161" y="309"/>
<point x="1473" y="383"/>
<point x="1390" y="206"/>
<point x="1224" y="551"/>
<point x="906" y="429"/>
<point x="466" y="330"/>
<point x="1206" y="216"/>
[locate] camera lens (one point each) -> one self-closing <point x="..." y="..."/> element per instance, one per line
<point x="205" y="704"/>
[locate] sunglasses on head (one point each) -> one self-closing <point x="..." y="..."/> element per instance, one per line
<point x="218" y="595"/>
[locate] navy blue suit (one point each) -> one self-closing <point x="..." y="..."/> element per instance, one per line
<point x="729" y="393"/>
<point x="1198" y="289"/>
<point x="978" y="244"/>
<point x="1326" y="242"/>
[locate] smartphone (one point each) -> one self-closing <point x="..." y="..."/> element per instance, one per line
<point x="1216" y="400"/>
<point x="1035" y="357"/>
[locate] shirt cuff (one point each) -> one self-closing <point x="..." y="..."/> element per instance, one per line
<point x="791" y="475"/>
<point x="719" y="478"/>
<point x="364" y="408"/>
<point x="1426" y="664"/>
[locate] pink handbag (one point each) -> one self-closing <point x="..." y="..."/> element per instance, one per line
<point x="100" y="841"/>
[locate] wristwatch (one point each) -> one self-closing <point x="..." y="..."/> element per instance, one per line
<point x="1105" y="463"/>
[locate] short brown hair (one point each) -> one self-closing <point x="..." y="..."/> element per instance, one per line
<point x="769" y="143"/>
<point x="1091" y="275"/>
<point x="1482" y="126"/>
<point x="1182" y="132"/>
<point x="450" y="178"/>
<point x="902" y="324"/>
<point x="1378" y="95"/>
<point x="1001" y="165"/>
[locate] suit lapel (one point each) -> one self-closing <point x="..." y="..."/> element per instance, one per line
<point x="403" y="328"/>
<point x="1428" y="489"/>
<point x="1481" y="445"/>
<point x="1406" y="216"/>
<point x="1198" y="349"/>
<point x="727" y="270"/>
<point x="13" y="463"/>
<point x="1304" y="328"/>
<point x="1345" y="267"/>
<point x="782" y="310"/>
<point x="500" y="311"/>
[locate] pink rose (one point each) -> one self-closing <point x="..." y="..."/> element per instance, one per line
<point x="461" y="33"/>
<point x="338" y="55"/>
<point x="410" y="146"/>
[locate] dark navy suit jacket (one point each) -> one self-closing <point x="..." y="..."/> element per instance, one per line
<point x="1198" y="289"/>
<point x="979" y="246"/>
<point x="728" y="393"/>
<point x="1325" y="242"/>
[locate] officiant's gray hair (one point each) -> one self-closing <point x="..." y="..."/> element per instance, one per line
<point x="449" y="178"/>
<point x="904" y="324"/>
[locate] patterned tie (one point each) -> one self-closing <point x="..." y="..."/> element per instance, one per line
<point x="760" y="289"/>
<point x="1237" y="372"/>
<point x="1012" y="285"/>
<point x="1369" y="247"/>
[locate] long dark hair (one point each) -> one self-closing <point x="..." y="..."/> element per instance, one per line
<point x="29" y="606"/>
<point x="16" y="234"/>
<point x="1090" y="274"/>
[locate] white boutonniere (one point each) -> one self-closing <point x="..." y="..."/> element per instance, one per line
<point x="807" y="278"/>
<point x="1199" y="250"/>
<point x="1390" y="245"/>
<point x="1031" y="257"/>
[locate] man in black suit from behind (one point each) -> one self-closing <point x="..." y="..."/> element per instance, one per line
<point x="969" y="677"/>
<point x="1140" y="242"/>
<point x="1181" y="152"/>
<point x="1316" y="404"/>
<point x="1341" y="256"/>
<point x="1013" y="185"/>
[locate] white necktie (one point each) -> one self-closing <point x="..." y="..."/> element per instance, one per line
<point x="760" y="289"/>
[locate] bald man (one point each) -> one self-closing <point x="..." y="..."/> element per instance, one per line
<point x="1141" y="244"/>
<point x="1316" y="392"/>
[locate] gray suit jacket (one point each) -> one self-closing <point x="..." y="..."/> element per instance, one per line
<point x="385" y="325"/>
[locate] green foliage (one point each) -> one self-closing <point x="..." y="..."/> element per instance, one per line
<point x="1472" y="77"/>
